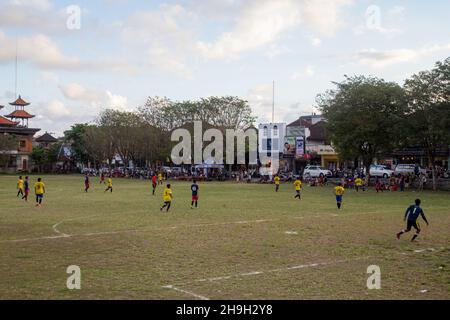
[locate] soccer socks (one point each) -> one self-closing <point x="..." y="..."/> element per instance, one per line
<point x="339" y="205"/>
<point x="414" y="237"/>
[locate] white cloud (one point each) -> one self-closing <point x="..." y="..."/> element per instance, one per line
<point x="324" y="16"/>
<point x="262" y="22"/>
<point x="32" y="14"/>
<point x="56" y="110"/>
<point x="46" y="78"/>
<point x="397" y="12"/>
<point x="162" y="58"/>
<point x="39" y="50"/>
<point x="94" y="100"/>
<point x="164" y="35"/>
<point x="309" y="71"/>
<point x="260" y="100"/>
<point x="316" y="42"/>
<point x="380" y="59"/>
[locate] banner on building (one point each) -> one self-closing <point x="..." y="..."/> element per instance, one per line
<point x="289" y="147"/>
<point x="299" y="147"/>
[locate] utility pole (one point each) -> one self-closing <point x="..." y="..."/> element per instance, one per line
<point x="273" y="102"/>
<point x="15" y="69"/>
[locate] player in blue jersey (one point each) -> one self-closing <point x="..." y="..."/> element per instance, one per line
<point x="412" y="213"/>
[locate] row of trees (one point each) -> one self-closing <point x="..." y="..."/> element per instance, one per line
<point x="144" y="136"/>
<point x="369" y="118"/>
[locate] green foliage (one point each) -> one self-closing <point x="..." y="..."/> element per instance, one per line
<point x="364" y="117"/>
<point x="76" y="137"/>
<point x="428" y="95"/>
<point x="45" y="157"/>
<point x="221" y="112"/>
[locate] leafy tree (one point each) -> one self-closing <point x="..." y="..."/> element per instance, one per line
<point x="364" y="117"/>
<point x="221" y="112"/>
<point x="428" y="125"/>
<point x="76" y="136"/>
<point x="8" y="142"/>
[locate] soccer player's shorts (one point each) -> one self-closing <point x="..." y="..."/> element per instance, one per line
<point x="412" y="224"/>
<point x="27" y="192"/>
<point x="154" y="185"/>
<point x="298" y="191"/>
<point x="167" y="202"/>
<point x="195" y="198"/>
<point x="338" y="198"/>
<point x="40" y="196"/>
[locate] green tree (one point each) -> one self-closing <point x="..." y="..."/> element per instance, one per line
<point x="75" y="136"/>
<point x="221" y="112"/>
<point x="428" y="124"/>
<point x="364" y="117"/>
<point x="8" y="143"/>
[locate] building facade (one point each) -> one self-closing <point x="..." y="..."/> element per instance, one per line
<point x="17" y="158"/>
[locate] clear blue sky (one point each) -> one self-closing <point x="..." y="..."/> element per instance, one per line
<point x="127" y="50"/>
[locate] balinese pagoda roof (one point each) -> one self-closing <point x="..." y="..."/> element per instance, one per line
<point x="19" y="102"/>
<point x="20" y="114"/>
<point x="46" y="137"/>
<point x="6" y="122"/>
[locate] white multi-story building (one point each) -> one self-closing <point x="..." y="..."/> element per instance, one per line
<point x="271" y="137"/>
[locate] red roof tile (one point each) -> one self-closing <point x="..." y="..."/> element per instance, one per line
<point x="19" y="102"/>
<point x="6" y="122"/>
<point x="20" y="114"/>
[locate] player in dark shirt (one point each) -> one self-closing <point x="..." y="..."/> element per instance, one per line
<point x="194" y="189"/>
<point x="26" y="189"/>
<point x="86" y="183"/>
<point x="412" y="213"/>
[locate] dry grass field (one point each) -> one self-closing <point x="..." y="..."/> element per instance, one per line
<point x="243" y="242"/>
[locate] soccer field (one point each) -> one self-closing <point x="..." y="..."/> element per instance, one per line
<point x="243" y="242"/>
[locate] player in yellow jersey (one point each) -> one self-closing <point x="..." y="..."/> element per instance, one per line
<point x="110" y="184"/>
<point x="160" y="178"/>
<point x="20" y="187"/>
<point x="167" y="198"/>
<point x="359" y="184"/>
<point x="39" y="190"/>
<point x="276" y="180"/>
<point x="339" y="193"/>
<point x="298" y="188"/>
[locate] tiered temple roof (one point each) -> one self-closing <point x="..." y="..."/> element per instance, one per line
<point x="19" y="113"/>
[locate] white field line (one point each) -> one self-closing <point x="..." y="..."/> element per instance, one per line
<point x="186" y="292"/>
<point x="249" y="274"/>
<point x="277" y="270"/>
<point x="63" y="235"/>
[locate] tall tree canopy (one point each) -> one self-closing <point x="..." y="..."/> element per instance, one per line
<point x="428" y="123"/>
<point x="221" y="112"/>
<point x="364" y="117"/>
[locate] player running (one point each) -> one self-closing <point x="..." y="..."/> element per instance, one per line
<point x="194" y="189"/>
<point x="26" y="189"/>
<point x="102" y="178"/>
<point x="86" y="183"/>
<point x="298" y="188"/>
<point x="339" y="193"/>
<point x="359" y="184"/>
<point x="276" y="180"/>
<point x="413" y="213"/>
<point x="39" y="190"/>
<point x="167" y="198"/>
<point x="154" y="183"/>
<point x="160" y="178"/>
<point x="20" y="187"/>
<point x="110" y="184"/>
